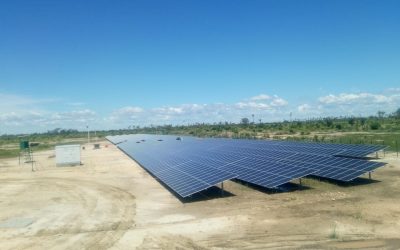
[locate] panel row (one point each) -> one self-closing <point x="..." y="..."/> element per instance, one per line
<point x="188" y="165"/>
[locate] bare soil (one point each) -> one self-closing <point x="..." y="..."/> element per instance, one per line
<point x="110" y="202"/>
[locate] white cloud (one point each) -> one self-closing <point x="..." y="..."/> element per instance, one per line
<point x="180" y="109"/>
<point x="25" y="114"/>
<point x="28" y="115"/>
<point x="22" y="114"/>
<point x="304" y="108"/>
<point x="351" y="98"/>
<point x="393" y="89"/>
<point x="81" y="116"/>
<point x="278" y="102"/>
<point x="32" y="121"/>
<point x="262" y="105"/>
<point x="252" y="105"/>
<point x="76" y="104"/>
<point x="129" y="113"/>
<point x="364" y="103"/>
<point x="129" y="110"/>
<point x="262" y="102"/>
<point x="19" y="118"/>
<point x="261" y="97"/>
<point x="169" y="110"/>
<point x="20" y="103"/>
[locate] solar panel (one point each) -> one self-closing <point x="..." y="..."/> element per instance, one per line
<point x="265" y="173"/>
<point x="337" y="168"/>
<point x="183" y="176"/>
<point x="312" y="148"/>
<point x="191" y="164"/>
<point x="333" y="167"/>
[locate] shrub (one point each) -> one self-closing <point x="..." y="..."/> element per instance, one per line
<point x="375" y="125"/>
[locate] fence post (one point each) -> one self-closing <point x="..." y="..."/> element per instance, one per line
<point x="384" y="151"/>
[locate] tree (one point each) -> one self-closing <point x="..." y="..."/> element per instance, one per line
<point x="244" y="121"/>
<point x="363" y="120"/>
<point x="352" y="121"/>
<point x="328" y="122"/>
<point x="396" y="114"/>
<point x="381" y="114"/>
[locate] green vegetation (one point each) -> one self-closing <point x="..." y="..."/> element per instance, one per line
<point x="333" y="235"/>
<point x="379" y="129"/>
<point x="9" y="144"/>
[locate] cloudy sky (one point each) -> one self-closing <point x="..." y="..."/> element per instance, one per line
<point x="113" y="64"/>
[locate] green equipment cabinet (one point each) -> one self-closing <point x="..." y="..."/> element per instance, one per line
<point x="23" y="145"/>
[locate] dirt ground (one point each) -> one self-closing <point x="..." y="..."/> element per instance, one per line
<point x="110" y="202"/>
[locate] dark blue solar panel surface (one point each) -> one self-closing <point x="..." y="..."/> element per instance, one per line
<point x="181" y="174"/>
<point x="193" y="164"/>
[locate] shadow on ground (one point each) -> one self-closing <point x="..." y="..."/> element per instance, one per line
<point x="288" y="187"/>
<point x="208" y="194"/>
<point x="356" y="182"/>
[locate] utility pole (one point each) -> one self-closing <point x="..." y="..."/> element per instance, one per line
<point x="88" y="134"/>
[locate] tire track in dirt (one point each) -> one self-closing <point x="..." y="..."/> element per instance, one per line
<point x="255" y="240"/>
<point x="96" y="217"/>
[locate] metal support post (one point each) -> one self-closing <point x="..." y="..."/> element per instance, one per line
<point x="384" y="153"/>
<point x="88" y="134"/>
<point x="31" y="153"/>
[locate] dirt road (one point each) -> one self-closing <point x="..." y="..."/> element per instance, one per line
<point x="109" y="202"/>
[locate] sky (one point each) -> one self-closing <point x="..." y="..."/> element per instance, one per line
<point x="115" y="64"/>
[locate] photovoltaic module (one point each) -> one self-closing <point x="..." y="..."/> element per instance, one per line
<point x="188" y="165"/>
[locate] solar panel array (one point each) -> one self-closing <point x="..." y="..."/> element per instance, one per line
<point x="191" y="164"/>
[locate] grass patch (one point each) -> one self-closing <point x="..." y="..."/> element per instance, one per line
<point x="10" y="149"/>
<point x="358" y="215"/>
<point x="8" y="153"/>
<point x="334" y="234"/>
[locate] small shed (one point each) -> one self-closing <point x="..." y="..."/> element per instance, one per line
<point x="68" y="155"/>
